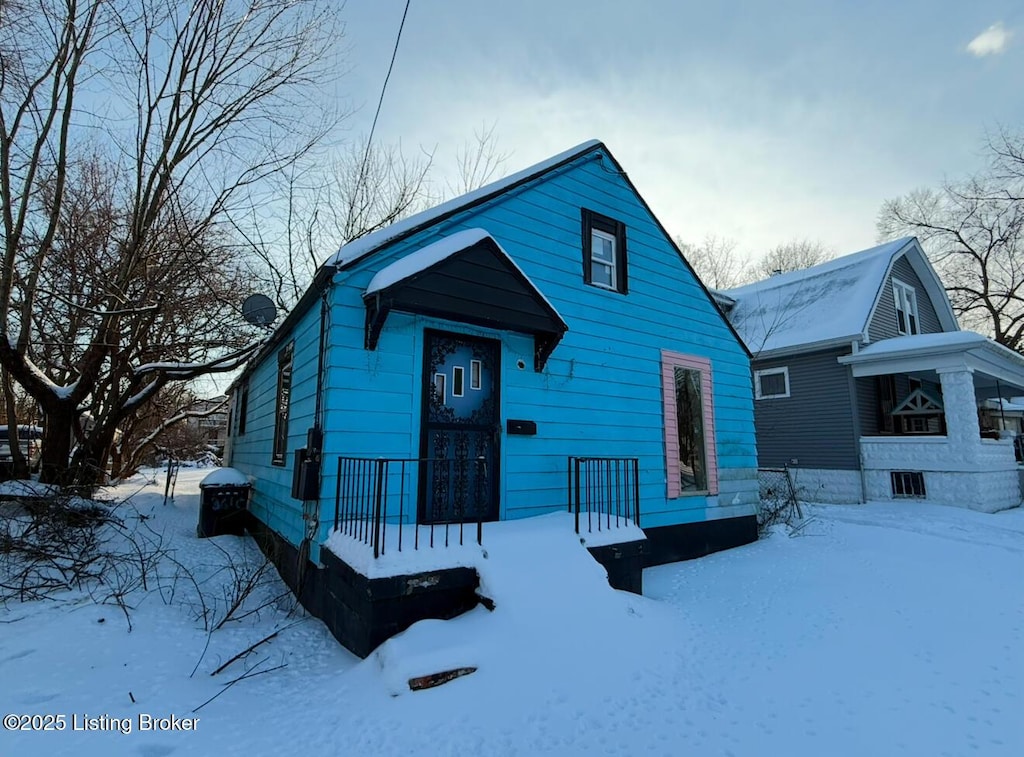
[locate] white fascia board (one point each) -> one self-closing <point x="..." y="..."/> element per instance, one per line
<point x="808" y="348"/>
<point x="906" y="363"/>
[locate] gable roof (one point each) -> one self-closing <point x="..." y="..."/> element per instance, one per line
<point x="363" y="247"/>
<point x="827" y="304"/>
<point x="357" y="249"/>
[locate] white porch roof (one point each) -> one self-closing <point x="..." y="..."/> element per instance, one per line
<point x="997" y="369"/>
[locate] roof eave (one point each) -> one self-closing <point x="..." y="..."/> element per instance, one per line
<point x="321" y="280"/>
<point x="503" y="189"/>
<point x="806" y="347"/>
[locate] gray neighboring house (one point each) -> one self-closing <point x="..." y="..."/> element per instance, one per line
<point x="867" y="388"/>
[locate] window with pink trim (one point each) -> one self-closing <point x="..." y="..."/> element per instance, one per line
<point x="691" y="459"/>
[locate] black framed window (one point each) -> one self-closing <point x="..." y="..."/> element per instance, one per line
<point x="243" y="407"/>
<point x="604" y="252"/>
<point x="284" y="394"/>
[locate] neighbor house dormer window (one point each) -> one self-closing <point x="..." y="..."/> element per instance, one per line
<point x="604" y="252"/>
<point x="906" y="308"/>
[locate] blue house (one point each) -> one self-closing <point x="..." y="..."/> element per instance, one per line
<point x="535" y="346"/>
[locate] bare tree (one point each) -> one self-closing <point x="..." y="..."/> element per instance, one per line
<point x="170" y="424"/>
<point x="320" y="207"/>
<point x="973" y="232"/>
<point x="717" y="262"/>
<point x="794" y="255"/>
<point x="479" y="160"/>
<point x="1006" y="153"/>
<point x="366" y="187"/>
<point x="182" y="110"/>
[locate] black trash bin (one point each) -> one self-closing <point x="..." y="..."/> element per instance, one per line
<point x="223" y="502"/>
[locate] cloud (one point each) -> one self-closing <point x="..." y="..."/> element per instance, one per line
<point x="992" y="41"/>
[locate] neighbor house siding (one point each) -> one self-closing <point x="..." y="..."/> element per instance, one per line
<point x="814" y="426"/>
<point x="883" y="323"/>
<point x="600" y="392"/>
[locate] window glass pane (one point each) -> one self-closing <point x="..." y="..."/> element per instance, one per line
<point x="773" y="384"/>
<point x="690" y="416"/>
<point x="284" y="392"/>
<point x="439" y="388"/>
<point x="603" y="275"/>
<point x="243" y="408"/>
<point x="458" y="379"/>
<point x="474" y="374"/>
<point x="602" y="247"/>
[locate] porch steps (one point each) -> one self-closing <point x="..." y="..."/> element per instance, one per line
<point x="543" y="582"/>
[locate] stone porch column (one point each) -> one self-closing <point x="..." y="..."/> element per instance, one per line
<point x="961" y="408"/>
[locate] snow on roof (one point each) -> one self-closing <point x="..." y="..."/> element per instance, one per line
<point x="358" y="248"/>
<point x="225" y="477"/>
<point x="423" y="258"/>
<point x="824" y="303"/>
<point x="941" y="342"/>
<point x="968" y="342"/>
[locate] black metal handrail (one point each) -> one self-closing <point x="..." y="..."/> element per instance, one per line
<point x="603" y="488"/>
<point x="373" y="492"/>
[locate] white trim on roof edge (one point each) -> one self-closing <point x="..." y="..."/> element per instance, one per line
<point x="930" y="280"/>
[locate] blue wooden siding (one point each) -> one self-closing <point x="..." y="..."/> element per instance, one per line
<point x="600" y="393"/>
<point x="251" y="453"/>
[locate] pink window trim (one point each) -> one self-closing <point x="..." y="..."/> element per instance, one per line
<point x="669" y="361"/>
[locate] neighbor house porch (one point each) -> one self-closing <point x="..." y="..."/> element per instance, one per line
<point x="927" y="441"/>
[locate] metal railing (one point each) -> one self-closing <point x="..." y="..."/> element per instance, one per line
<point x="376" y="500"/>
<point x="604" y="492"/>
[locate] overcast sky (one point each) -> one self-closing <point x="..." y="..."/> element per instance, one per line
<point x="760" y="122"/>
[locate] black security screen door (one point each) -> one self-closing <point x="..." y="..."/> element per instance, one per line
<point x="460" y="428"/>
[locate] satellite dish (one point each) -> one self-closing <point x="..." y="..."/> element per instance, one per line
<point x="259" y="310"/>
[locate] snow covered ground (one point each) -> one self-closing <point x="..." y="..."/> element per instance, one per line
<point x="881" y="630"/>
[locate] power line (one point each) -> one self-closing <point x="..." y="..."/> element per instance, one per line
<point x="380" y="102"/>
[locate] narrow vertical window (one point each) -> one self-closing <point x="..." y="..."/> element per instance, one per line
<point x="693" y="466"/>
<point x="604" y="252"/>
<point x="886" y="403"/>
<point x="906" y="308"/>
<point x="243" y="407"/>
<point x="458" y="381"/>
<point x="475" y="379"/>
<point x="691" y="457"/>
<point x="284" y="394"/>
<point x="439" y="388"/>
<point x="602" y="259"/>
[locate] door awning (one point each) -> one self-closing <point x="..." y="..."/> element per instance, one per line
<point x="465" y="277"/>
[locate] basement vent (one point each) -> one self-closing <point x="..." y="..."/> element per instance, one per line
<point x="907" y="483"/>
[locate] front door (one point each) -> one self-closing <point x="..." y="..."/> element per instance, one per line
<point x="460" y="429"/>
